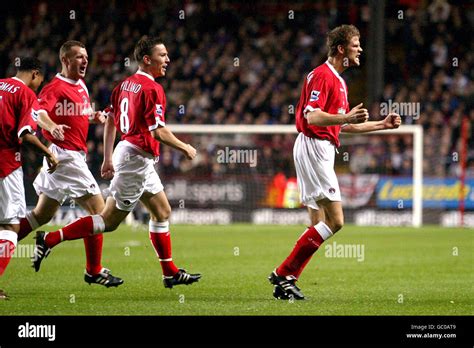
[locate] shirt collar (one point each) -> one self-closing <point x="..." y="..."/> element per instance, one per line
<point x="341" y="80"/>
<point x="65" y="79"/>
<point x="16" y="78"/>
<point x="141" y="72"/>
<point x="332" y="69"/>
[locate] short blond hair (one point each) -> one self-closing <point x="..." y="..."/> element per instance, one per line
<point x="66" y="47"/>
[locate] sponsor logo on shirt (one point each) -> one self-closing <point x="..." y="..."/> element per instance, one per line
<point x="159" y="109"/>
<point x="34" y="115"/>
<point x="314" y="96"/>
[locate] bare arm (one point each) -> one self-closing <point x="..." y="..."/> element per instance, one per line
<point x="107" y="170"/>
<point x="368" y="126"/>
<point x="98" y="117"/>
<point x="392" y="121"/>
<point x="324" y="119"/>
<point x="45" y="122"/>
<point x="33" y="141"/>
<point x="109" y="138"/>
<point x="165" y="136"/>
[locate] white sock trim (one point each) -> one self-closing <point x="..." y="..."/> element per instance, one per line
<point x="61" y="234"/>
<point x="32" y="220"/>
<point x="159" y="227"/>
<point x="98" y="224"/>
<point x="161" y="260"/>
<point x="10" y="236"/>
<point x="323" y="230"/>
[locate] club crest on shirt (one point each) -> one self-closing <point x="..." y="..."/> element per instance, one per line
<point x="314" y="95"/>
<point x="341" y="111"/>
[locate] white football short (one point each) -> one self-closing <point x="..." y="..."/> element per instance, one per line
<point x="135" y="174"/>
<point x="72" y="178"/>
<point x="314" y="163"/>
<point x="12" y="198"/>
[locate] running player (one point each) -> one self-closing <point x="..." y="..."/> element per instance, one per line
<point x="66" y="100"/>
<point x="322" y="113"/>
<point x="138" y="107"/>
<point x="18" y="113"/>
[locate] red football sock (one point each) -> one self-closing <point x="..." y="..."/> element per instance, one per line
<point x="25" y="228"/>
<point x="8" y="240"/>
<point x="160" y="237"/>
<point x="304" y="249"/>
<point x="93" y="245"/>
<point x="82" y="227"/>
<point x="299" y="270"/>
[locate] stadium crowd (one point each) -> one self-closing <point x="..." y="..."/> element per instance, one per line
<point x="433" y="66"/>
<point x="243" y="64"/>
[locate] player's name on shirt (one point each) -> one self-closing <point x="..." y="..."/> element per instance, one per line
<point x="68" y="108"/>
<point x="130" y="86"/>
<point x="8" y="87"/>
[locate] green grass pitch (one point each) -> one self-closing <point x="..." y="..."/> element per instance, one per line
<point x="405" y="271"/>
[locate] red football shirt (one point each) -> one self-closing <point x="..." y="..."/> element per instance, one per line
<point x="138" y="105"/>
<point x="67" y="102"/>
<point x="323" y="89"/>
<point x="18" y="107"/>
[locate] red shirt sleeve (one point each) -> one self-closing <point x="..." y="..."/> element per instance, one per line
<point x="48" y="99"/>
<point x="317" y="91"/>
<point x="28" y="112"/>
<point x="155" y="106"/>
<point x="109" y="110"/>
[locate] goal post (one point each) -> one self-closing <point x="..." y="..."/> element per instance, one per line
<point x="416" y="131"/>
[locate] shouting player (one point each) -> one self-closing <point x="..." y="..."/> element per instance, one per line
<point x="66" y="100"/>
<point x="138" y="107"/>
<point x="18" y="112"/>
<point x="322" y="112"/>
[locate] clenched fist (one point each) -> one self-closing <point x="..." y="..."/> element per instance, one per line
<point x="357" y="115"/>
<point x="392" y="121"/>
